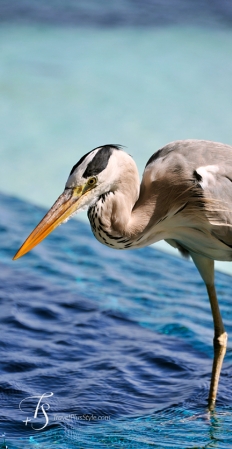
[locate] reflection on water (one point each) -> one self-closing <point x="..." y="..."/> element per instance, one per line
<point x="122" y="340"/>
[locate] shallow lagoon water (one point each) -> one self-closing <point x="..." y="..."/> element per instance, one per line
<point x="128" y="362"/>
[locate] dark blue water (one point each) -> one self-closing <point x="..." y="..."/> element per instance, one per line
<point x="121" y="342"/>
<point x="121" y="13"/>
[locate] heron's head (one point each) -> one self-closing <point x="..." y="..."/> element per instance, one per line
<point x="97" y="172"/>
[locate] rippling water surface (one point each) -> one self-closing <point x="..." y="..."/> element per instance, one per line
<point x="123" y="340"/>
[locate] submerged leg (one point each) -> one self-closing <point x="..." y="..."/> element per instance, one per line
<point x="206" y="270"/>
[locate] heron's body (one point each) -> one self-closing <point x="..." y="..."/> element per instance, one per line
<point x="180" y="201"/>
<point x="185" y="198"/>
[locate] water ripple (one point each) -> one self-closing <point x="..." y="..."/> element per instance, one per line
<point x="123" y="340"/>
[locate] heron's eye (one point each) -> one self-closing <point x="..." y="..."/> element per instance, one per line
<point x="91" y="182"/>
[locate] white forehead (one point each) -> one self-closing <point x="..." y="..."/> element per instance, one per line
<point x="77" y="171"/>
<point x="94" y="163"/>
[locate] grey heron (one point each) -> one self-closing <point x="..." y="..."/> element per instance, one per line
<point x="184" y="198"/>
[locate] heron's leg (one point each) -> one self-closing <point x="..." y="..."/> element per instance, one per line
<point x="220" y="342"/>
<point x="206" y="270"/>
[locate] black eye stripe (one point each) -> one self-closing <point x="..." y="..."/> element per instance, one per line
<point x="104" y="148"/>
<point x="99" y="161"/>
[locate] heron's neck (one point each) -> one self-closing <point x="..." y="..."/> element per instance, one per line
<point x="118" y="219"/>
<point x="128" y="218"/>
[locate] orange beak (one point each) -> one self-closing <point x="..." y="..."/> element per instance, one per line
<point x="67" y="203"/>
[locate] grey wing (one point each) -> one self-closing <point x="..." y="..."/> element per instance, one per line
<point x="203" y="167"/>
<point x="216" y="183"/>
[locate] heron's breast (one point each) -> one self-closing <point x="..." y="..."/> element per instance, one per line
<point x="105" y="236"/>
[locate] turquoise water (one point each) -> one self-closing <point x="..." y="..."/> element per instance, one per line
<point x="122" y="340"/>
<point x="64" y="91"/>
